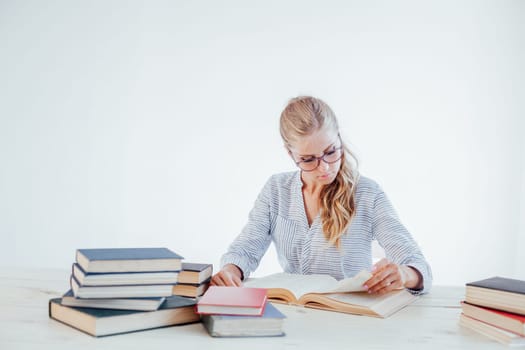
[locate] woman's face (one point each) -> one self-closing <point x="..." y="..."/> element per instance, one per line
<point x="307" y="151"/>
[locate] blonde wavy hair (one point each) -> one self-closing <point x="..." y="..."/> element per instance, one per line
<point x="303" y="116"/>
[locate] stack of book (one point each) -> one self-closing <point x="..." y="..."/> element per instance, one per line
<point x="194" y="279"/>
<point x="495" y="307"/>
<point x="110" y="286"/>
<point x="239" y="312"/>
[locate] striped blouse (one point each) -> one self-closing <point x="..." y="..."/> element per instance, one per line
<point x="279" y="216"/>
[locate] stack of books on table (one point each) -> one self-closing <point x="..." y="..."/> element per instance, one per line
<point x="495" y="307"/>
<point x="239" y="312"/>
<point x="194" y="279"/>
<point x="111" y="287"/>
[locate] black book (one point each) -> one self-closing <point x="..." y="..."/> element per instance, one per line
<point x="102" y="322"/>
<point x="498" y="293"/>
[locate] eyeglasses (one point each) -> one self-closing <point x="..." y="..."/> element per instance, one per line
<point x="329" y="157"/>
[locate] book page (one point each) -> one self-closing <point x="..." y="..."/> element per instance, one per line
<point x="303" y="284"/>
<point x="295" y="283"/>
<point x="352" y="284"/>
<point x="362" y="299"/>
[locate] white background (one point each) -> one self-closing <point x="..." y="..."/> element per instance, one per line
<point x="155" y="123"/>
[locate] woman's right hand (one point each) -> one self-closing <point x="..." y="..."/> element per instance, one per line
<point x="229" y="275"/>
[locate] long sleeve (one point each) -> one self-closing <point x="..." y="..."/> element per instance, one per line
<point x="397" y="242"/>
<point x="250" y="245"/>
<point x="278" y="215"/>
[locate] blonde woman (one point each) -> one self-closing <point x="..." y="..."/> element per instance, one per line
<point x="324" y="217"/>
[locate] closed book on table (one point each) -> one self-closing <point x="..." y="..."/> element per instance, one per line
<point x="269" y="324"/>
<point x="499" y="334"/>
<point x="142" y="304"/>
<point x="123" y="278"/>
<point x="512" y="322"/>
<point x="191" y="290"/>
<point x="498" y="293"/>
<point x="128" y="260"/>
<point x="102" y="322"/>
<point x="135" y="291"/>
<point x="195" y="273"/>
<point x="232" y="301"/>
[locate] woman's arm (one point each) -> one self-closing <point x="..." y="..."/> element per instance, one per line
<point x="404" y="258"/>
<point x="246" y="251"/>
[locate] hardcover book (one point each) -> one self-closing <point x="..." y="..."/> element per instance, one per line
<point x="498" y="293"/>
<point x="123" y="278"/>
<point x="270" y="324"/>
<point x="195" y="273"/>
<point x="326" y="293"/>
<point x="232" y="301"/>
<point x="191" y="290"/>
<point x="142" y="304"/>
<point x="128" y="260"/>
<point x="135" y="291"/>
<point x="512" y="322"/>
<point x="492" y="332"/>
<point x="102" y="322"/>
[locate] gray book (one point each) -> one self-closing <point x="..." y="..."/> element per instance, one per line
<point x="102" y="322"/>
<point x="269" y="324"/>
<point x="141" y="304"/>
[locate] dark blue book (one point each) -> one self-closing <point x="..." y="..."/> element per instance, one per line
<point x="123" y="278"/>
<point x="195" y="273"/>
<point x="102" y="322"/>
<point x="192" y="290"/>
<point x="269" y="324"/>
<point x="499" y="293"/>
<point x="141" y="304"/>
<point x="131" y="291"/>
<point x="128" y="260"/>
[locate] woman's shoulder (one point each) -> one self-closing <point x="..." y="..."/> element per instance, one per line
<point x="283" y="181"/>
<point x="285" y="177"/>
<point x="366" y="183"/>
<point x="367" y="189"/>
<point x="279" y="188"/>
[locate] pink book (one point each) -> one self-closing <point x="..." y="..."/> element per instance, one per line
<point x="232" y="301"/>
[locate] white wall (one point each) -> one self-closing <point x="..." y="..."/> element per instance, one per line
<point x="155" y="123"/>
<point x="520" y="251"/>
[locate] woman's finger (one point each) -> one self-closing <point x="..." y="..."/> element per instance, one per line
<point x="384" y="279"/>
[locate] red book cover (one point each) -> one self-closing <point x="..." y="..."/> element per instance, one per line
<point x="503" y="319"/>
<point x="232" y="301"/>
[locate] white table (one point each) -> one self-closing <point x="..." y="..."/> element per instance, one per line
<point x="429" y="323"/>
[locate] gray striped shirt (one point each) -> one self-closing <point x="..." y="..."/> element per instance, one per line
<point x="279" y="216"/>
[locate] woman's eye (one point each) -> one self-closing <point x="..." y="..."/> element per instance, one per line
<point x="329" y="153"/>
<point x="308" y="160"/>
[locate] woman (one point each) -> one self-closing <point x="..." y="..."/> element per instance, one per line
<point x="324" y="217"/>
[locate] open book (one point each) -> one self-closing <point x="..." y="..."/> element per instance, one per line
<point x="325" y="292"/>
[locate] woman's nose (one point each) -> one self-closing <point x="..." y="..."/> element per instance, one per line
<point x="323" y="165"/>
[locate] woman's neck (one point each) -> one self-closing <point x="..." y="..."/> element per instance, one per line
<point x="311" y="189"/>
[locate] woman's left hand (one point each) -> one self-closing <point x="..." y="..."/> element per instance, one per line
<point x="386" y="276"/>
